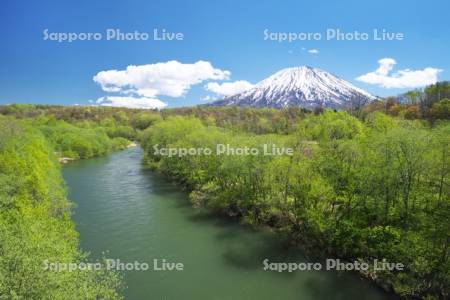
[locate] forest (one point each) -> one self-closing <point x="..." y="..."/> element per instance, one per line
<point x="365" y="184"/>
<point x="377" y="189"/>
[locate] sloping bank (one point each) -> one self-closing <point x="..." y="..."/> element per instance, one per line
<point x="36" y="225"/>
<point x="351" y="190"/>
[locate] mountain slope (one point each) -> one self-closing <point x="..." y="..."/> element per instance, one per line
<point x="302" y="87"/>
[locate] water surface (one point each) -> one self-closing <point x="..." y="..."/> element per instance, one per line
<point x="137" y="215"/>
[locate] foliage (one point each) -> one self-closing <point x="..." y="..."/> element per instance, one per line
<point x="430" y="103"/>
<point x="363" y="191"/>
<point x="35" y="224"/>
<point x="77" y="142"/>
<point x="372" y="187"/>
<point x="144" y="120"/>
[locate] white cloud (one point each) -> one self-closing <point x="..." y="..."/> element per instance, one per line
<point x="401" y="79"/>
<point x="386" y="65"/>
<point x="313" y="51"/>
<point x="228" y="88"/>
<point x="170" y="78"/>
<point x="208" y="98"/>
<point x="131" y="102"/>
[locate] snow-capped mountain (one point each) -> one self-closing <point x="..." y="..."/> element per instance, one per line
<point x="302" y="87"/>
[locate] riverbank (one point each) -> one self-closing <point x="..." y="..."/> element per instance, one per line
<point x="331" y="198"/>
<point x="139" y="215"/>
<point x="311" y="246"/>
<point x="65" y="160"/>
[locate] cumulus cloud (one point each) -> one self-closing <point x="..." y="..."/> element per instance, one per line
<point x="406" y="78"/>
<point x="131" y="102"/>
<point x="228" y="88"/>
<point x="170" y="78"/>
<point x="313" y="51"/>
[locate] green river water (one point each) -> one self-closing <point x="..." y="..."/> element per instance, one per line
<point x="134" y="214"/>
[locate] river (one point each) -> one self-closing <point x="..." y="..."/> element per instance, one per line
<point x="126" y="212"/>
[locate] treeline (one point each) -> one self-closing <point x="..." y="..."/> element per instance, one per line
<point x="431" y="103"/>
<point x="126" y="122"/>
<point x="377" y="189"/>
<point x="36" y="225"/>
<point x="83" y="132"/>
<point x="72" y="114"/>
<point x="255" y="120"/>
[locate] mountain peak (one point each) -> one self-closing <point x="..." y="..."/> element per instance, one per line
<point x="297" y="72"/>
<point x="298" y="69"/>
<point x="301" y="86"/>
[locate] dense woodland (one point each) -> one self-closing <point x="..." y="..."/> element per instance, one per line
<point x="36" y="225"/>
<point x="370" y="183"/>
<point x="360" y="190"/>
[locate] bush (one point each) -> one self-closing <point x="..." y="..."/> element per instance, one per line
<point x="120" y="143"/>
<point x="145" y="120"/>
<point x="126" y="132"/>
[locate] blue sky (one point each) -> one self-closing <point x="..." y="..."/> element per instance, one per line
<point x="227" y="34"/>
